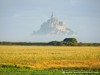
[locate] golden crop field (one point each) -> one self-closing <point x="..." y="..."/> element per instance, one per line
<point x="51" y="56"/>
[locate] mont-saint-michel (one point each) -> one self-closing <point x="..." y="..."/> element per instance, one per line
<point x="53" y="26"/>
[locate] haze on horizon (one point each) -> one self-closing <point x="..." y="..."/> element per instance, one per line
<point x="19" y="18"/>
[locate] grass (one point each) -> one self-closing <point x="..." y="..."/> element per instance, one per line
<point x="12" y="70"/>
<point x="48" y="60"/>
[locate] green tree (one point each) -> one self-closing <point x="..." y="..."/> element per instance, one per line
<point x="70" y="41"/>
<point x="54" y="43"/>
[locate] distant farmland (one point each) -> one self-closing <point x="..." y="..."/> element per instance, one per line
<point x="51" y="56"/>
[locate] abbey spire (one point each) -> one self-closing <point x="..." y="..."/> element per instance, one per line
<point x="52" y="15"/>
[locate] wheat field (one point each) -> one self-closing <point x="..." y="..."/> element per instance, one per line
<point x="51" y="56"/>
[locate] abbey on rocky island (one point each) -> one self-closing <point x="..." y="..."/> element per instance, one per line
<point x="53" y="26"/>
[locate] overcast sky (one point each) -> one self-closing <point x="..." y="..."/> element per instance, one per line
<point x="19" y="18"/>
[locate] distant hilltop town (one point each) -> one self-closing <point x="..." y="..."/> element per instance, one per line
<point x="55" y="23"/>
<point x="53" y="26"/>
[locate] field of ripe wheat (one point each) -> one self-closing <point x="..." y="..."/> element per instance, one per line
<point x="51" y="56"/>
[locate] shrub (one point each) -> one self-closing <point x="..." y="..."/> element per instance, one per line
<point x="70" y="41"/>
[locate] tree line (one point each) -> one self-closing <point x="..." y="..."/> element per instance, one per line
<point x="65" y="42"/>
